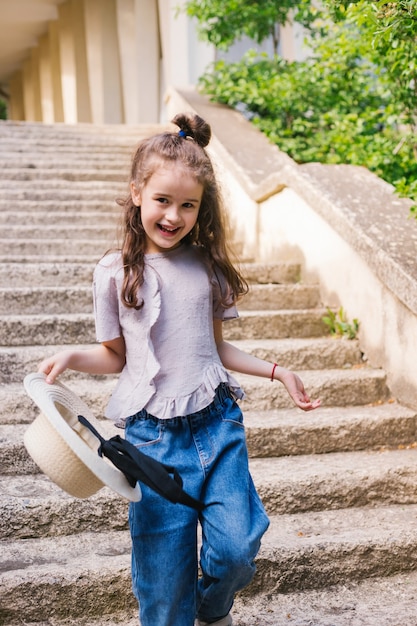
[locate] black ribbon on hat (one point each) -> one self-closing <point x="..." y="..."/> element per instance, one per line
<point x="137" y="466"/>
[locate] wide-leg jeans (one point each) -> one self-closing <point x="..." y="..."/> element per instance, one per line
<point x="208" y="448"/>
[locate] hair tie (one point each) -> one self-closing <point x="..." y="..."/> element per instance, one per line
<point x="182" y="133"/>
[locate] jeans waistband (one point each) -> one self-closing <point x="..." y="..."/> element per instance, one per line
<point x="222" y="392"/>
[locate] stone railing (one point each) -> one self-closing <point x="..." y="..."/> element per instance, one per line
<point x="346" y="227"/>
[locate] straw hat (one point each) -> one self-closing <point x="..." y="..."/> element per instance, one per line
<point x="64" y="449"/>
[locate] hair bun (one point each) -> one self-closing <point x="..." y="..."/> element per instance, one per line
<point x="193" y="126"/>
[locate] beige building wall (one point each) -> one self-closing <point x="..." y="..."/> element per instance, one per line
<point x="105" y="62"/>
<point x="16" y="106"/>
<point x="109" y="61"/>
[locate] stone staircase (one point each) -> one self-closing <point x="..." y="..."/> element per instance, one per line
<point x="339" y="484"/>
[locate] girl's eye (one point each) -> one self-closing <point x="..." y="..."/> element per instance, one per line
<point x="161" y="200"/>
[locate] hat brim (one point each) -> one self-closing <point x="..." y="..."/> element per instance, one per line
<point x="61" y="407"/>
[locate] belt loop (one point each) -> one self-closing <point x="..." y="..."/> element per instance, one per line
<point x="222" y="392"/>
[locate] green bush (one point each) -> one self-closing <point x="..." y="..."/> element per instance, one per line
<point x="314" y="112"/>
<point x="346" y="103"/>
<point x="338" y="324"/>
<point x="3" y="110"/>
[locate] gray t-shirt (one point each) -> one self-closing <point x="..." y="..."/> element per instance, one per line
<point x="172" y="364"/>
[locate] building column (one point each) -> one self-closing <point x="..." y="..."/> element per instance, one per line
<point x="103" y="62"/>
<point x="140" y="54"/>
<point x="125" y="11"/>
<point x="67" y="63"/>
<point x="112" y="80"/>
<point x="81" y="68"/>
<point x="31" y="88"/>
<point x="147" y="60"/>
<point x="55" y="62"/>
<point x="45" y="81"/>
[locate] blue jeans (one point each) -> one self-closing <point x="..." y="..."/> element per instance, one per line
<point x="208" y="448"/>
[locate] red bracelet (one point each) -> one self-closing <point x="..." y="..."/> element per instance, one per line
<point x="273" y="372"/>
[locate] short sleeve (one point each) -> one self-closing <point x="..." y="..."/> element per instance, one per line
<point x="221" y="287"/>
<point x="106" y="304"/>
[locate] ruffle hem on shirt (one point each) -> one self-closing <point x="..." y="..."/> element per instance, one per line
<point x="198" y="399"/>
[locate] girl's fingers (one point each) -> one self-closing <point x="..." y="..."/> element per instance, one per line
<point x="307" y="405"/>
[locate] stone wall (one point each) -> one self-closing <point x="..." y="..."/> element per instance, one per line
<point x="346" y="227"/>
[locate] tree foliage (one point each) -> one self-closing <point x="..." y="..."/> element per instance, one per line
<point x="223" y="22"/>
<point x="354" y="100"/>
<point x="388" y="32"/>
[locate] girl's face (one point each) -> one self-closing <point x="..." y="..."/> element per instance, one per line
<point x="169" y="205"/>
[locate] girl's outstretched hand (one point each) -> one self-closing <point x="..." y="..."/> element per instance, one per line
<point x="106" y="358"/>
<point x="295" y="387"/>
<point x="55" y="365"/>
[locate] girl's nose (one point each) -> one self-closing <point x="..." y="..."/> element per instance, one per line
<point x="172" y="213"/>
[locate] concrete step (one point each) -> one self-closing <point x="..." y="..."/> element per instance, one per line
<point x="317" y="549"/>
<point x="278" y="433"/>
<point x="301" y="551"/>
<point x="310" y="353"/>
<point x="66" y="230"/>
<point x="26" y="330"/>
<point x="386" y="601"/>
<point x="90" y="191"/>
<point x="283" y="432"/>
<point x="66" y="207"/>
<point x="348" y="387"/>
<point x="76" y="575"/>
<point x="70" y="132"/>
<point x="273" y="296"/>
<point x="17" y="408"/>
<point x="79" y="299"/>
<point x="46" y="300"/>
<point x="32" y="151"/>
<point x="341" y="480"/>
<point x="276" y="324"/>
<point x="272" y="273"/>
<point x="55" y="248"/>
<point x="27" y="142"/>
<point x="14" y="220"/>
<point x="23" y="258"/>
<point x="9" y="189"/>
<point x="53" y="273"/>
<point x="32" y="506"/>
<point x="67" y="174"/>
<point x="74" y="160"/>
<point x="336" y="388"/>
<point x="47" y="274"/>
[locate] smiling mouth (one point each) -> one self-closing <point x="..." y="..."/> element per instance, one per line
<point x="167" y="230"/>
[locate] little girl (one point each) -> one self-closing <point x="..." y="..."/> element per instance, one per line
<point x="159" y="306"/>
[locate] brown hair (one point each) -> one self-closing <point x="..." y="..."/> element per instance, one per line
<point x="187" y="149"/>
